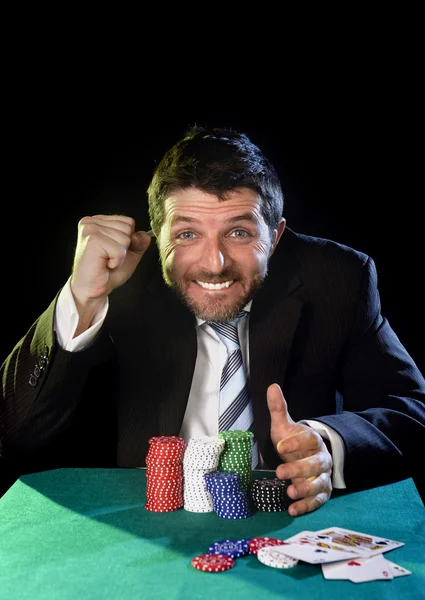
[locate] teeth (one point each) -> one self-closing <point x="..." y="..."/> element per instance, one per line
<point x="215" y="286"/>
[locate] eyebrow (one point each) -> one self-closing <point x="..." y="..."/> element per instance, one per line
<point x="183" y="219"/>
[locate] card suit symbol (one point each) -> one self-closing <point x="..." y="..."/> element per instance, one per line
<point x="385" y="573"/>
<point x="324" y="551"/>
<point x="353" y="563"/>
<point x="383" y="542"/>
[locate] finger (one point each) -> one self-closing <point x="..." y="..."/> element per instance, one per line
<point x="278" y="408"/>
<point x="101" y="235"/>
<point x="110" y="248"/>
<point x="104" y="244"/>
<point x="112" y="238"/>
<point x="122" y="223"/>
<point x="311" y="486"/>
<point x="303" y="439"/>
<point x="118" y="218"/>
<point x="309" y="466"/>
<point x="307" y="505"/>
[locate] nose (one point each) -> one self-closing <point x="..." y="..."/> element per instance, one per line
<point x="213" y="258"/>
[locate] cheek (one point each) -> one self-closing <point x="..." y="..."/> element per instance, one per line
<point x="176" y="260"/>
<point x="261" y="253"/>
<point x="167" y="253"/>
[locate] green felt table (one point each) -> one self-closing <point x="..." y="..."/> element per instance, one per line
<point x="85" y="534"/>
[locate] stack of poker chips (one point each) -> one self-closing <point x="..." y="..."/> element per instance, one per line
<point x="230" y="500"/>
<point x="237" y="454"/>
<point x="164" y="473"/>
<point x="270" y="495"/>
<point x="223" y="555"/>
<point x="271" y="552"/>
<point x="201" y="456"/>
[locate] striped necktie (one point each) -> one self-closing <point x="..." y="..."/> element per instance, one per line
<point x="235" y="401"/>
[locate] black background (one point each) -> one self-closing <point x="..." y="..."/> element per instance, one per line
<point x="81" y="138"/>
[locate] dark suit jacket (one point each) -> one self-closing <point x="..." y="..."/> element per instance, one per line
<point x="315" y="328"/>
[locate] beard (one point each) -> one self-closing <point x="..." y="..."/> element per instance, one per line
<point x="217" y="307"/>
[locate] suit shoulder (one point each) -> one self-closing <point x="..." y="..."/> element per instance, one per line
<point x="321" y="263"/>
<point x="315" y="250"/>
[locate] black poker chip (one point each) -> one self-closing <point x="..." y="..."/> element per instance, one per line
<point x="270" y="495"/>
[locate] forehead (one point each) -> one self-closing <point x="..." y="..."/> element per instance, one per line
<point x="196" y="204"/>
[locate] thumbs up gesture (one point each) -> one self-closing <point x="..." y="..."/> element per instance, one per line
<point x="306" y="460"/>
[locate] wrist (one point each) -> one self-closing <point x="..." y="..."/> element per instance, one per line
<point x="87" y="310"/>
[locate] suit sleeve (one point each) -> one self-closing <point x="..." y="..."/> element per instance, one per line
<point x="43" y="388"/>
<point x="382" y="393"/>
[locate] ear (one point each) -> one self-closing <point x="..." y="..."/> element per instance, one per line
<point x="277" y="234"/>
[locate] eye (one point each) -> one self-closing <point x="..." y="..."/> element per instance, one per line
<point x="186" y="235"/>
<point x="240" y="233"/>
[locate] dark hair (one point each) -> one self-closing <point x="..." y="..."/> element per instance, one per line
<point x="215" y="161"/>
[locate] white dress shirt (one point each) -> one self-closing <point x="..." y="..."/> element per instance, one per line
<point x="201" y="416"/>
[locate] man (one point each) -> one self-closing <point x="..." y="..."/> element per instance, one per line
<point x="128" y="349"/>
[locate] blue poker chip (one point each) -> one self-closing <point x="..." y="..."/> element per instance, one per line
<point x="232" y="548"/>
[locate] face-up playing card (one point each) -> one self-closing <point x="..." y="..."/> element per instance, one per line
<point x="359" y="570"/>
<point x="398" y="571"/>
<point x="309" y="538"/>
<point x="300" y="546"/>
<point x="362" y="543"/>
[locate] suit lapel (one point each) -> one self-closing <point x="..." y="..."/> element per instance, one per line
<point x="177" y="346"/>
<point x="274" y="318"/>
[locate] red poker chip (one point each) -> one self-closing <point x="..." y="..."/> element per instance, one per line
<point x="165" y="486"/>
<point x="167" y="440"/>
<point x="158" y="473"/>
<point x="166" y="451"/>
<point x="212" y="563"/>
<point x="163" y="461"/>
<point x="156" y="499"/>
<point x="261" y="542"/>
<point x="165" y="500"/>
<point x="168" y="458"/>
<point x="163" y="507"/>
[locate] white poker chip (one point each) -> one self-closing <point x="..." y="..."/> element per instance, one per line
<point x="274" y="556"/>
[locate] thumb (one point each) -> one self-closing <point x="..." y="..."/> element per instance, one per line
<point x="281" y="422"/>
<point x="140" y="241"/>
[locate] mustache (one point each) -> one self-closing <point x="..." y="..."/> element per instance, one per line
<point x="208" y="277"/>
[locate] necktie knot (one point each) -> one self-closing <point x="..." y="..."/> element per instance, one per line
<point x="228" y="330"/>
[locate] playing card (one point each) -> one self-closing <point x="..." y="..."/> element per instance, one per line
<point x="334" y="570"/>
<point x="396" y="570"/>
<point x="309" y="538"/>
<point x="359" y="570"/>
<point x="324" y="541"/>
<point x="309" y="551"/>
<point x="362" y="543"/>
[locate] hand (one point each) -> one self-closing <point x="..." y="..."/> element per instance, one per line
<point x="107" y="254"/>
<point x="306" y="460"/>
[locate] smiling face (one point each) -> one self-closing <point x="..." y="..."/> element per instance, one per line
<point x="214" y="253"/>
